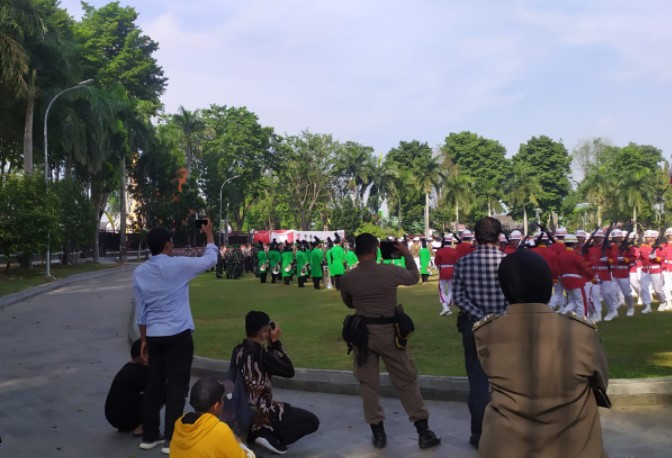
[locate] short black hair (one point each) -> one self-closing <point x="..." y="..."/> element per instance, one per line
<point x="487" y="230"/>
<point x="205" y="393"/>
<point x="255" y="321"/>
<point x="157" y="239"/>
<point x="135" y="349"/>
<point x="365" y="244"/>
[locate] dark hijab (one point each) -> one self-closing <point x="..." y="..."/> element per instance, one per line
<point x="525" y="278"/>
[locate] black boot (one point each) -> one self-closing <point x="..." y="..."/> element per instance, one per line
<point x="426" y="437"/>
<point x="379" y="438"/>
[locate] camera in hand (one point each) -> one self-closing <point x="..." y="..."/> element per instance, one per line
<point x="388" y="250"/>
<point x="200" y="222"/>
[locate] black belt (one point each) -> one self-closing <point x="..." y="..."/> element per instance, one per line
<point x="380" y="320"/>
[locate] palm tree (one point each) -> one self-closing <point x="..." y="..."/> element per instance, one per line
<point x="19" y="19"/>
<point x="523" y="190"/>
<point x="355" y="163"/>
<point x="457" y="191"/>
<point x="381" y="183"/>
<point x="191" y="125"/>
<point x="637" y="188"/>
<point x="599" y="186"/>
<point x="428" y="176"/>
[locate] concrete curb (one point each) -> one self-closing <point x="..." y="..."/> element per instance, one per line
<point x="622" y="392"/>
<point x="11" y="299"/>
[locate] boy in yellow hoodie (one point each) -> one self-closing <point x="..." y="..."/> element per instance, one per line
<point x="201" y="434"/>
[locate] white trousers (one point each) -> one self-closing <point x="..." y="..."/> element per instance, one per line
<point x="636" y="285"/>
<point x="623" y="285"/>
<point x="667" y="287"/>
<point x="576" y="301"/>
<point x="558" y="297"/>
<point x="445" y="292"/>
<point x="654" y="280"/>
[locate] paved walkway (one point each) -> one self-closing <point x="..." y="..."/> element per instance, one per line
<point x="61" y="349"/>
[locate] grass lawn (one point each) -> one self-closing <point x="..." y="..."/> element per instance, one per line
<point x="311" y="322"/>
<point x="22" y="279"/>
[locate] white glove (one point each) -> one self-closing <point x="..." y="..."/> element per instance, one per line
<point x="620" y="259"/>
<point x="604" y="259"/>
<point x="652" y="256"/>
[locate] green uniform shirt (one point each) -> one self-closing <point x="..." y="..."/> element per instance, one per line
<point x="301" y="259"/>
<point x="287" y="260"/>
<point x="273" y="258"/>
<point x="425" y="259"/>
<point x="316" y="258"/>
<point x="351" y="258"/>
<point x="337" y="260"/>
<point x="262" y="257"/>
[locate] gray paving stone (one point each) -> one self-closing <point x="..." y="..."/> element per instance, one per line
<point x="61" y="349"/>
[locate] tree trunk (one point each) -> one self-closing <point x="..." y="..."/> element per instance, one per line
<point x="524" y="221"/>
<point x="122" y="213"/>
<point x="426" y="214"/>
<point x="599" y="215"/>
<point x="634" y="218"/>
<point x="28" y="128"/>
<point x="457" y="217"/>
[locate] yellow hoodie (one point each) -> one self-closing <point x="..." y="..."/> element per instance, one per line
<point x="205" y="436"/>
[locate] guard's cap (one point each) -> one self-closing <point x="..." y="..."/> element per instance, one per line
<point x="515" y="235"/>
<point x="571" y="238"/>
<point x="581" y="233"/>
<point x="668" y="231"/>
<point x="502" y="237"/>
<point x="561" y="232"/>
<point x="467" y="234"/>
<point x="616" y="233"/>
<point x="599" y="233"/>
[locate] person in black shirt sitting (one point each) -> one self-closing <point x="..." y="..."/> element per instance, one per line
<point x="123" y="407"/>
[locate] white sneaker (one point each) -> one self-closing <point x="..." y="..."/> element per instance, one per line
<point x="647" y="309"/>
<point x="631" y="311"/>
<point x="597" y="317"/>
<point x="611" y="315"/>
<point x="165" y="450"/>
<point x="150" y="445"/>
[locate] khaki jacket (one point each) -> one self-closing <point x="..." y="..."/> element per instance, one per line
<point x="541" y="366"/>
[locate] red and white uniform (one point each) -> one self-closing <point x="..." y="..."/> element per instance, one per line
<point x="620" y="260"/>
<point x="652" y="273"/>
<point x="666" y="252"/>
<point x="600" y="265"/>
<point x="445" y="260"/>
<point x="575" y="273"/>
<point x="635" y="274"/>
<point x="558" y="297"/>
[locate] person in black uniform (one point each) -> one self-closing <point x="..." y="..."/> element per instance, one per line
<point x="123" y="406"/>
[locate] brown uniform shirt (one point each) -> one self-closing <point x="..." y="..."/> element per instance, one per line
<point x="371" y="289"/>
<point x="541" y="366"/>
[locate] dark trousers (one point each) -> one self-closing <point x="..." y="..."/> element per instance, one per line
<point x="301" y="281"/>
<point x="274" y="277"/>
<point x="263" y="277"/>
<point x="287" y="279"/>
<point x="337" y="281"/>
<point x="295" y="424"/>
<point x="170" y="360"/>
<point x="316" y="282"/>
<point x="479" y="387"/>
<point x="425" y="278"/>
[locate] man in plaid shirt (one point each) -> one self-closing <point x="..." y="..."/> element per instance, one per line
<point x="477" y="293"/>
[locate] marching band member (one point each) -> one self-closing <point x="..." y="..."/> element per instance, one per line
<point x="652" y="274"/>
<point x="445" y="260"/>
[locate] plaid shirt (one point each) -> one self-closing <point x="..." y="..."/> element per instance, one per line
<point x="476" y="283"/>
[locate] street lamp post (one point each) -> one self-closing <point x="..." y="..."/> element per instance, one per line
<point x="226" y="227"/>
<point x="46" y="155"/>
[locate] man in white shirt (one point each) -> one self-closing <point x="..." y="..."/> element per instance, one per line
<point x="163" y="315"/>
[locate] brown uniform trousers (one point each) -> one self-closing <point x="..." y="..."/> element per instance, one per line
<point x="371" y="289"/>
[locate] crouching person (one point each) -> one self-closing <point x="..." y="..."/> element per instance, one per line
<point x="275" y="425"/>
<point x="201" y="433"/>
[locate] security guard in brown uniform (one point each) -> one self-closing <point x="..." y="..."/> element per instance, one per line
<point x="547" y="371"/>
<point x="371" y="289"/>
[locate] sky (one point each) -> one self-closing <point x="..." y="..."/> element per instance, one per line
<point x="383" y="71"/>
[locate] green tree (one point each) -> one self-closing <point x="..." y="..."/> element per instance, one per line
<point x="549" y="162"/>
<point x="484" y="160"/>
<point x="28" y="215"/>
<point x="306" y="177"/>
<point x="457" y="191"/>
<point x="427" y="176"/>
<point x="235" y="144"/>
<point x="638" y="188"/>
<point x="523" y="189"/>
<point x="190" y="125"/>
<point x="353" y="168"/>
<point x="407" y="199"/>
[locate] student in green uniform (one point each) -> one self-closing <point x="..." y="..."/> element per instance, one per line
<point x="262" y="262"/>
<point x="274" y="260"/>
<point x="425" y="259"/>
<point x="351" y="257"/>
<point x="337" y="267"/>
<point x="316" y="259"/>
<point x="287" y="267"/>
<point x="301" y="260"/>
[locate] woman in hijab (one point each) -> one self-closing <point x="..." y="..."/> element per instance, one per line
<point x="542" y="368"/>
